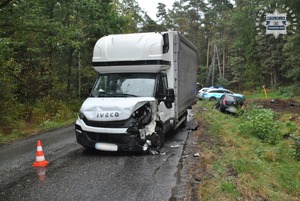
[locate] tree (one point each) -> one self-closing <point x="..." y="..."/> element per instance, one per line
<point x="45" y="43"/>
<point x="150" y="25"/>
<point x="132" y="13"/>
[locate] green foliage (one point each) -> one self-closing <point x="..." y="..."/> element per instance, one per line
<point x="245" y="167"/>
<point x="261" y="123"/>
<point x="45" y="56"/>
<point x="229" y="187"/>
<point x="289" y="91"/>
<point x="48" y="124"/>
<point x="297" y="147"/>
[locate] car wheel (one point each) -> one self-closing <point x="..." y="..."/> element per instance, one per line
<point x="212" y="99"/>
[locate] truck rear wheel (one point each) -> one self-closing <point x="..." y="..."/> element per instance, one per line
<point x="185" y="122"/>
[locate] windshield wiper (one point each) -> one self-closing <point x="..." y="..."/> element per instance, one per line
<point x="124" y="95"/>
<point x="130" y="95"/>
<point x="105" y="94"/>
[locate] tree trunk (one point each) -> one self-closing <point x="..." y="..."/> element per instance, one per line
<point x="207" y="53"/>
<point x="272" y="81"/>
<point x="79" y="75"/>
<point x="70" y="64"/>
<point x="224" y="59"/>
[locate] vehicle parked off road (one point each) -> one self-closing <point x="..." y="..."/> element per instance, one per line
<point x="230" y="104"/>
<point x="201" y="91"/>
<point x="216" y="94"/>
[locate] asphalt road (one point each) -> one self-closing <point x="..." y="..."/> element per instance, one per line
<point x="74" y="173"/>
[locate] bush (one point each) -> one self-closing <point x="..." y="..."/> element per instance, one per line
<point x="261" y="123"/>
<point x="297" y="147"/>
<point x="289" y="91"/>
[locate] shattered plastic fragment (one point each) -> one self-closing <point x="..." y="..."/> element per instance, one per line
<point x="145" y="147"/>
<point x="194" y="129"/>
<point x="153" y="152"/>
<point x="196" y="154"/>
<point x="156" y="152"/>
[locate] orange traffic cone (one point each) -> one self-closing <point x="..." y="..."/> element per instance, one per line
<point x="40" y="158"/>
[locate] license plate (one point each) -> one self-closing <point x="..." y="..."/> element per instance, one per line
<point x="106" y="146"/>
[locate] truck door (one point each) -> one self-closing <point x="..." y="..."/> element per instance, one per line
<point x="164" y="112"/>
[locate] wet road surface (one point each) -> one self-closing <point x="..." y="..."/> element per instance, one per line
<point x="74" y="173"/>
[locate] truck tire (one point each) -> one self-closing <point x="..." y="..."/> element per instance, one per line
<point x="158" y="138"/>
<point x="185" y="122"/>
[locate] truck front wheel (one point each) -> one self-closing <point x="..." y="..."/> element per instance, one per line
<point x="158" y="138"/>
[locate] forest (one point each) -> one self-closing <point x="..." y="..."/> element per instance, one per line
<point x="46" y="49"/>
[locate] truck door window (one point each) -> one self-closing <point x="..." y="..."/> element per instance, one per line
<point x="162" y="87"/>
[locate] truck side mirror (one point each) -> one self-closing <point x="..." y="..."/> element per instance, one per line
<point x="170" y="98"/>
<point x="166" y="43"/>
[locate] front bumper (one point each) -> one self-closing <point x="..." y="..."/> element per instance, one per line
<point x="123" y="141"/>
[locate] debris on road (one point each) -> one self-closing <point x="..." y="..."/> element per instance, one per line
<point x="196" y="154"/>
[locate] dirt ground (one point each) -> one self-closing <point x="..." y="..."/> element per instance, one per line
<point x="278" y="105"/>
<point x="281" y="106"/>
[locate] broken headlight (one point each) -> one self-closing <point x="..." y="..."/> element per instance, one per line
<point x="81" y="115"/>
<point x="143" y="116"/>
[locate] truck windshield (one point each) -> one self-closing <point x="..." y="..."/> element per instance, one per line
<point x="124" y="85"/>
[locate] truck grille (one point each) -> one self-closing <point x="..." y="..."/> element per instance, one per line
<point x="112" y="138"/>
<point x="109" y="124"/>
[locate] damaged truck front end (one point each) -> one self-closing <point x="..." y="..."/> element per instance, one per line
<point x="130" y="127"/>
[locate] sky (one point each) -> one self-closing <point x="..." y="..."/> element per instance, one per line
<point x="149" y="6"/>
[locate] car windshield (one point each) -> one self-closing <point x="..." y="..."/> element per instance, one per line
<point x="124" y="85"/>
<point x="220" y="91"/>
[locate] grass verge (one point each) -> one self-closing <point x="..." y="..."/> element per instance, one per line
<point x="43" y="116"/>
<point x="26" y="129"/>
<point x="237" y="166"/>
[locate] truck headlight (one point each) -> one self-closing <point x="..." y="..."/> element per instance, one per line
<point x="143" y="115"/>
<point x="81" y="115"/>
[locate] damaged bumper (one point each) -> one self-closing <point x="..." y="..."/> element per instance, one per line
<point x="108" y="141"/>
<point x="117" y="142"/>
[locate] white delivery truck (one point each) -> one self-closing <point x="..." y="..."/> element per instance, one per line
<point x="146" y="84"/>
